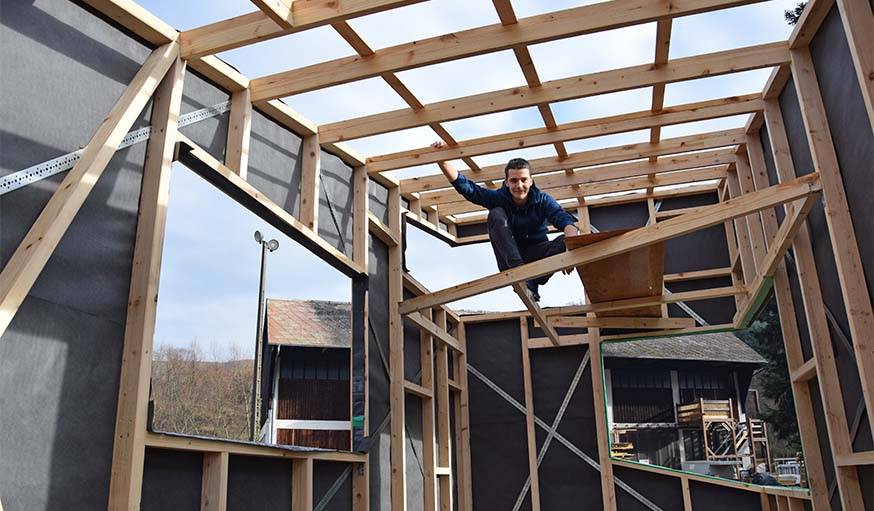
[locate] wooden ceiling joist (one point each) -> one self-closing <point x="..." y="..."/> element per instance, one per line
<point x="280" y="11"/>
<point x="257" y="26"/>
<point x="604" y="82"/>
<point x="607" y="155"/>
<point x="634" y="121"/>
<point x="457" y="204"/>
<point x="602" y="172"/>
<point x="605" y="173"/>
<point x="477" y="41"/>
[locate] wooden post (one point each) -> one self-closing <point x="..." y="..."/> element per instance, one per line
<point x="462" y="427"/>
<point x="583" y="221"/>
<point x="361" y="486"/>
<point x="840" y="224"/>
<point x="788" y="324"/>
<point x="429" y="461"/>
<point x="441" y="399"/>
<point x="128" y="452"/>
<point x="309" y="181"/>
<point x="608" y="490"/>
<point x="360" y="208"/>
<point x="214" y="486"/>
<point x="529" y="416"/>
<point x="859" y="27"/>
<point x="687" y="495"/>
<point x="748" y="262"/>
<point x="302" y="484"/>
<point x="396" y="357"/>
<point x="820" y="337"/>
<point x="239" y="132"/>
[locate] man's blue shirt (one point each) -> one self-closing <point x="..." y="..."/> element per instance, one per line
<point x="528" y="222"/>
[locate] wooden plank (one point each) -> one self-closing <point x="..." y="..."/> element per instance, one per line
<point x="310" y="182"/>
<point x="457" y="204"/>
<point x="858" y="23"/>
<point x="196" y="444"/>
<point x="608" y="490"/>
<point x="805" y="372"/>
<point x="396" y="358"/>
<point x="381" y="231"/>
<point x="442" y="403"/>
<point x="808" y="24"/>
<point x="302" y="484"/>
<point x="536" y="312"/>
<point x="704" y="110"/>
<point x="603" y="156"/>
<point x="280" y="11"/>
<point x="612" y="200"/>
<point x="687" y="494"/>
<point x="137" y="19"/>
<point x="662" y="231"/>
<point x="797" y="493"/>
<point x="416" y="389"/>
<point x="477" y="41"/>
<point x="201" y="161"/>
<point x="462" y="428"/>
<point x="257" y="26"/>
<point x="563" y="340"/>
<point x="530" y="433"/>
<point x="604" y="82"/>
<point x="361" y="486"/>
<point x="360" y="217"/>
<point x="744" y="245"/>
<point x="239" y="133"/>
<point x="291" y="119"/>
<point x="428" y="185"/>
<point x="438" y="333"/>
<point x="167" y="72"/>
<point x="856" y="459"/>
<point x="840" y="224"/>
<point x="753" y="222"/>
<point x="214" y="485"/>
<point x="815" y="316"/>
<point x="620" y="322"/>
<point x="30" y="257"/>
<point x="429" y="458"/>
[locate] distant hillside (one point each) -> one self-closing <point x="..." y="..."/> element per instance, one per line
<point x="199" y="397"/>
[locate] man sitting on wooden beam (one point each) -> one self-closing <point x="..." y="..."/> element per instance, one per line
<point x="518" y="212"/>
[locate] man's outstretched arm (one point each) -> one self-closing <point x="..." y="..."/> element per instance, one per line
<point x="467" y="188"/>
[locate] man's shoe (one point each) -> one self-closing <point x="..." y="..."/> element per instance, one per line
<point x="531" y="288"/>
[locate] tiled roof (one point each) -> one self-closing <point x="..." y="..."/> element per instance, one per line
<point x="309" y="323"/>
<point x="715" y="347"/>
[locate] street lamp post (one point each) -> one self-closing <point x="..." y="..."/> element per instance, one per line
<point x="255" y="421"/>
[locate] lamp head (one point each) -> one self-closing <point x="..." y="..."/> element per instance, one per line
<point x="259" y="237"/>
<point x="272" y="245"/>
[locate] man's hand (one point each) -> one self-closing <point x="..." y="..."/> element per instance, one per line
<point x="447" y="169"/>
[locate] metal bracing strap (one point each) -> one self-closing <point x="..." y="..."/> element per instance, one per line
<point x="66" y="162"/>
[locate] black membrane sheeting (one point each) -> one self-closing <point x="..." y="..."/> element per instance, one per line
<point x="171" y="480"/>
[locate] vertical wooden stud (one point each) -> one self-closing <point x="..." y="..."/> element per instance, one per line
<point x="239" y="132"/>
<point x="608" y="489"/>
<point x="360" y="206"/>
<point x="529" y="416"/>
<point x="858" y="23"/>
<point x="462" y="428"/>
<point x="309" y="181"/>
<point x="429" y="461"/>
<point x="214" y="485"/>
<point x="302" y="484"/>
<point x="396" y="357"/>
<point x="441" y="399"/>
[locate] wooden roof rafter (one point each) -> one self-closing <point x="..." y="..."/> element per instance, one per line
<point x="570" y="131"/>
<point x="477" y="41"/>
<point x="593" y="84"/>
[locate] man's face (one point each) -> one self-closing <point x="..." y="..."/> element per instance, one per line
<point x="519" y="182"/>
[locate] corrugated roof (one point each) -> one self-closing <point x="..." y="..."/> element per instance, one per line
<point x="713" y="347"/>
<point x="309" y="323"/>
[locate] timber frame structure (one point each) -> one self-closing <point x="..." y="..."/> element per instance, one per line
<point x="763" y="193"/>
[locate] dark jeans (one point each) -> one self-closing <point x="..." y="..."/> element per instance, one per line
<point x="510" y="253"/>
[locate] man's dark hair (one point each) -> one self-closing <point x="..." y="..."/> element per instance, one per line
<point x="516" y="163"/>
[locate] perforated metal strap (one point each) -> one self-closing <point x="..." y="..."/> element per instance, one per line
<point x="66" y="162"/>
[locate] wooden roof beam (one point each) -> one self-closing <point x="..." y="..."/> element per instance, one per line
<point x="477" y="41"/>
<point x="257" y="26"/>
<point x="611" y="173"/>
<point x="604" y="82"/>
<point x="460" y="205"/>
<point x="280" y="11"/>
<point x="607" y="155"/>
<point x="634" y="121"/>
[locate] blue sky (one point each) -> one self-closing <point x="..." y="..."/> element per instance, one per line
<point x="210" y="269"/>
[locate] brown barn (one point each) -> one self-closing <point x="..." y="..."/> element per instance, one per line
<point x="305" y="383"/>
